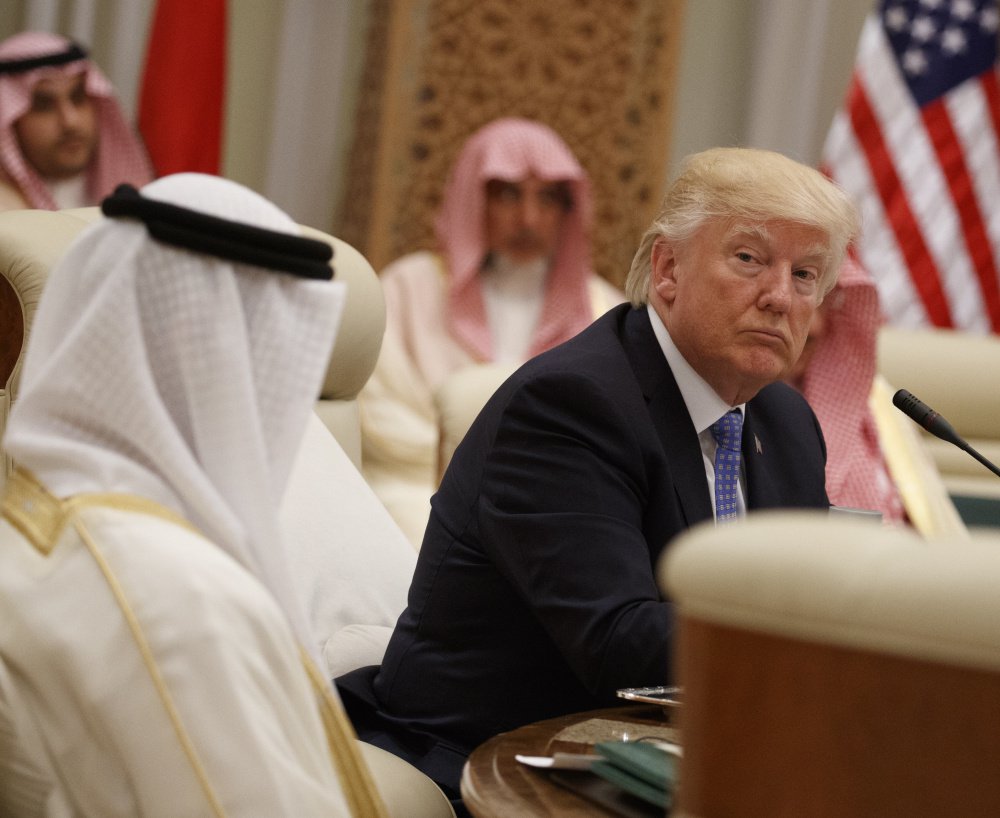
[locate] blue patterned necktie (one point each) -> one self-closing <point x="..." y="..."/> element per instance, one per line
<point x="727" y="432"/>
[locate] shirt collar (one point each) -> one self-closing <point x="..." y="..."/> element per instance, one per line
<point x="703" y="403"/>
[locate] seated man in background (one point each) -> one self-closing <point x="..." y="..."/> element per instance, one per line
<point x="874" y="459"/>
<point x="835" y="373"/>
<point x="534" y="593"/>
<point x="154" y="656"/>
<point x="64" y="141"/>
<point x="512" y="278"/>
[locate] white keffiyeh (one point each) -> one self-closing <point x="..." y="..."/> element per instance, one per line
<point x="178" y="376"/>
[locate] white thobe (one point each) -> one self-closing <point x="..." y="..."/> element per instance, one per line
<point x="174" y="688"/>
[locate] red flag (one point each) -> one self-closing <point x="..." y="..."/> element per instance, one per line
<point x="916" y="145"/>
<point x="182" y="102"/>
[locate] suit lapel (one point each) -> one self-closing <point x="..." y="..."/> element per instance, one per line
<point x="669" y="416"/>
<point x="761" y="491"/>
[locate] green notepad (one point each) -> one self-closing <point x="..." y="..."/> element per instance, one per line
<point x="639" y="768"/>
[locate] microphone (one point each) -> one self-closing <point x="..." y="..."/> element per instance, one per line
<point x="925" y="417"/>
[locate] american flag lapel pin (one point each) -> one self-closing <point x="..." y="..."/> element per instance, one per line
<point x="756" y="440"/>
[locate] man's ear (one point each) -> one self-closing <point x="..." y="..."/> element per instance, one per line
<point x="664" y="269"/>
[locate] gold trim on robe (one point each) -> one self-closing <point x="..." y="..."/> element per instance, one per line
<point x="41" y="517"/>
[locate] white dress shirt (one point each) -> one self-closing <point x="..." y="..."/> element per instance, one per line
<point x="703" y="404"/>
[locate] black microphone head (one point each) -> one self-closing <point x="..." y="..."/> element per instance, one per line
<point x="911" y="406"/>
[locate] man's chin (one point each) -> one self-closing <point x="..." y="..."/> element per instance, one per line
<point x="765" y="369"/>
<point x="70" y="164"/>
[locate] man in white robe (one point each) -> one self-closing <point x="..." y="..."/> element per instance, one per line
<point x="511" y="278"/>
<point x="154" y="657"/>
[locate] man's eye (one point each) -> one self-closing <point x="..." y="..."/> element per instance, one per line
<point x="557" y="195"/>
<point x="806" y="275"/>
<point x="498" y="190"/>
<point x="42" y="104"/>
<point x="744" y="257"/>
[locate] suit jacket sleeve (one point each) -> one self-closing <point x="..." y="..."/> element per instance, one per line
<point x="561" y="515"/>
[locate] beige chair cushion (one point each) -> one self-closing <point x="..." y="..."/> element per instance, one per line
<point x="406" y="791"/>
<point x="459" y="400"/>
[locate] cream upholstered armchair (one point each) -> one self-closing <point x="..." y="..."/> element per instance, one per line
<point x="833" y="667"/>
<point x="356" y="349"/>
<point x="350" y="562"/>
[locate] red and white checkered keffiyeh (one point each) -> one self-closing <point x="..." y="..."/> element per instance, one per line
<point x="120" y="156"/>
<point x="512" y="149"/>
<point x="837" y="384"/>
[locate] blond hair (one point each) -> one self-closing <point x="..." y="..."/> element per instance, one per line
<point x="753" y="185"/>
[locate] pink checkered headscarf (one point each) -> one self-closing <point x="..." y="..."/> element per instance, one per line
<point x="510" y="150"/>
<point x="120" y="156"/>
<point x="837" y="383"/>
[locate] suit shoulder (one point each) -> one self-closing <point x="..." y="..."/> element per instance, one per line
<point x="595" y="353"/>
<point x="780" y="397"/>
<point x="781" y="409"/>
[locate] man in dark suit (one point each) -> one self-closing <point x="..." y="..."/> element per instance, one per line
<point x="534" y="593"/>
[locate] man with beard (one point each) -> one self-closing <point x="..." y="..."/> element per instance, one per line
<point x="510" y="278"/>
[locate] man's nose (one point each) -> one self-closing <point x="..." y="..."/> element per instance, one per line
<point x="776" y="288"/>
<point x="69" y="113"/>
<point x="531" y="211"/>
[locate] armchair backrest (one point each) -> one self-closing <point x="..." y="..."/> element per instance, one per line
<point x="356" y="348"/>
<point x="459" y="400"/>
<point x="31" y="242"/>
<point x="833" y="667"/>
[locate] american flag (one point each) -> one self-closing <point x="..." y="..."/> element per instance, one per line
<point x="916" y="145"/>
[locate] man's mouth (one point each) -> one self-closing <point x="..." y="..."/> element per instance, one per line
<point x="769" y="336"/>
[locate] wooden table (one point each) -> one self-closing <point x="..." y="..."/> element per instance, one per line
<point x="494" y="783"/>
